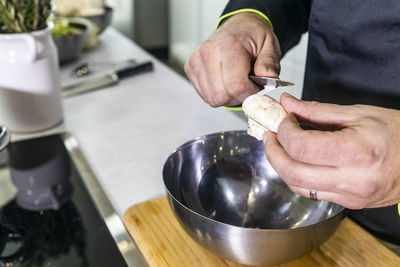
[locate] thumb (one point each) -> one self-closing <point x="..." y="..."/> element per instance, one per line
<point x="268" y="61"/>
<point x="326" y="116"/>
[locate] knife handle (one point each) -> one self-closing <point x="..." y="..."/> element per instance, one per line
<point x="135" y="69"/>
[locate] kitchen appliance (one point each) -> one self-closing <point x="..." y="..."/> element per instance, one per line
<point x="229" y="199"/>
<point x="53" y="211"/>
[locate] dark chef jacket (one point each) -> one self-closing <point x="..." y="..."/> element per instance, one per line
<point x="353" y="57"/>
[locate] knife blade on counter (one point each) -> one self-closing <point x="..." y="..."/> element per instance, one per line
<point x="106" y="80"/>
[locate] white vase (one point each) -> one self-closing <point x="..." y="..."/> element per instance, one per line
<point x="30" y="94"/>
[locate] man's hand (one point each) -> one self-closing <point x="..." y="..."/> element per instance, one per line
<point x="354" y="160"/>
<point x="219" y="69"/>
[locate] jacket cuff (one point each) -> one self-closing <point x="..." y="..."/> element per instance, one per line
<point x="243" y="11"/>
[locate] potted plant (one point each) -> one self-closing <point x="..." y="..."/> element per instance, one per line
<point x="30" y="94"/>
<point x="24" y="16"/>
<point x="70" y="38"/>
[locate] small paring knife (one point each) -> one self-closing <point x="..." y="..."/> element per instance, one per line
<point x="268" y="84"/>
<point x="106" y="79"/>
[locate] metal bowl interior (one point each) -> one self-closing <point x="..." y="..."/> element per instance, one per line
<point x="102" y="21"/>
<point x="221" y="186"/>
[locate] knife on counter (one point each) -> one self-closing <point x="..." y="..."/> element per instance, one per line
<point x="106" y="80"/>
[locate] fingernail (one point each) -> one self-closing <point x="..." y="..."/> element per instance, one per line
<point x="272" y="73"/>
<point x="289" y="95"/>
<point x="265" y="137"/>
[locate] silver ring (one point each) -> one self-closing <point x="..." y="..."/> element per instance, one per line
<point x="313" y="195"/>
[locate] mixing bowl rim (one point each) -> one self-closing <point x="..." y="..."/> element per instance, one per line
<point x="107" y="10"/>
<point x="241" y="132"/>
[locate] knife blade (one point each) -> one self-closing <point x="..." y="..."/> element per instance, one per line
<point x="106" y="80"/>
<point x="268" y="84"/>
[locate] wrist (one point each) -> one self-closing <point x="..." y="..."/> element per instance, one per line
<point x="249" y="29"/>
<point x="246" y="14"/>
<point x="248" y="24"/>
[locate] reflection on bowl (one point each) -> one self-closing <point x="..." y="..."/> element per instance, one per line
<point x="70" y="46"/>
<point x="229" y="199"/>
<point x="103" y="20"/>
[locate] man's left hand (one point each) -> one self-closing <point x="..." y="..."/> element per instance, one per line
<point x="353" y="159"/>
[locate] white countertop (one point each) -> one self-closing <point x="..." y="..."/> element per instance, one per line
<point x="127" y="131"/>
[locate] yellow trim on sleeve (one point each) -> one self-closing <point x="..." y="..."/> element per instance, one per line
<point x="398" y="208"/>
<point x="235" y="109"/>
<point x="243" y="11"/>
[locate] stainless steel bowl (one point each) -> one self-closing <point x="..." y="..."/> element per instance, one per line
<point x="102" y="21"/>
<point x="70" y="46"/>
<point x="229" y="199"/>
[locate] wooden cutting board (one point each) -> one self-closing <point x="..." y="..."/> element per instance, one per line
<point x="163" y="242"/>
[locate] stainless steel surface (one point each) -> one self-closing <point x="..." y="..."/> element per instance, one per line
<point x="230" y="200"/>
<point x="128" y="249"/>
<point x="70" y="46"/>
<point x="4" y="137"/>
<point x="102" y="21"/>
<point x="90" y="85"/>
<point x="268" y="83"/>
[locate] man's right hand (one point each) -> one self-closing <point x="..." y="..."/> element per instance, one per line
<point x="219" y="69"/>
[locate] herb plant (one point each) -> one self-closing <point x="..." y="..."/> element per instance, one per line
<point x="19" y="16"/>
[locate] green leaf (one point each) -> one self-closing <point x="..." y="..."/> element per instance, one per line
<point x="24" y="15"/>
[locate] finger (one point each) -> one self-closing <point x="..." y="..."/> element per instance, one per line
<point x="268" y="61"/>
<point x="205" y="89"/>
<point x="348" y="200"/>
<point x="236" y="67"/>
<point x="335" y="181"/>
<point x="299" y="174"/>
<point x="327" y="116"/>
<point x="193" y="70"/>
<point x="191" y="77"/>
<point x="212" y="67"/>
<point x="345" y="200"/>
<point x="338" y="148"/>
